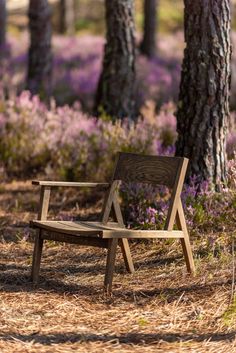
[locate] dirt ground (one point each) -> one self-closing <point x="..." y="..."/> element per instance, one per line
<point x="159" y="308"/>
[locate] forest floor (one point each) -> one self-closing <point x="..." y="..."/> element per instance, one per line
<point x="159" y="308"/>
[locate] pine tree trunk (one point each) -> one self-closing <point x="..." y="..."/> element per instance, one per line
<point x="67" y="16"/>
<point x="115" y="93"/>
<point x="40" y="55"/>
<point x="148" y="45"/>
<point x="203" y="108"/>
<point x="3" y="15"/>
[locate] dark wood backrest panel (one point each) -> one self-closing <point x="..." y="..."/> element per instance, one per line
<point x="159" y="170"/>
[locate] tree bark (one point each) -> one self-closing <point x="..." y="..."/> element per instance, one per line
<point x="40" y="55"/>
<point x="203" y="108"/>
<point x="115" y="93"/>
<point x="3" y="15"/>
<point x="148" y="44"/>
<point x="67" y="16"/>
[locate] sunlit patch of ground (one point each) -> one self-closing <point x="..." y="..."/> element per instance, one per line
<point x="157" y="309"/>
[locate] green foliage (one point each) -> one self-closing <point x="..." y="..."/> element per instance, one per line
<point x="93" y="26"/>
<point x="170" y="15"/>
<point x="229" y="317"/>
<point x="142" y="321"/>
<point x="103" y="114"/>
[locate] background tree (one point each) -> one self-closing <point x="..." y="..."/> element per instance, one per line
<point x="67" y="16"/>
<point x="203" y="108"/>
<point x="3" y="15"/>
<point x="115" y="93"/>
<point x="40" y="55"/>
<point x="148" y="44"/>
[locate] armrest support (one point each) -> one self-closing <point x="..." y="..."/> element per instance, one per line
<point x="46" y="190"/>
<point x="44" y="203"/>
<point x="69" y="184"/>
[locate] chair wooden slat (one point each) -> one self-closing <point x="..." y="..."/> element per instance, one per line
<point x="93" y="229"/>
<point x="75" y="239"/>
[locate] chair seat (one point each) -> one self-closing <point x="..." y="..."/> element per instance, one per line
<point x="100" y="230"/>
<point x="79" y="228"/>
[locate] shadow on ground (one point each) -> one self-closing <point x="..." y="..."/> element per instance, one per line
<point x="11" y="281"/>
<point x="130" y="338"/>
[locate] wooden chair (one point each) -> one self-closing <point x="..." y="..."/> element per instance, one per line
<point x="157" y="170"/>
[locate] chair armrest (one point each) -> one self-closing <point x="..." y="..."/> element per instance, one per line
<point x="46" y="190"/>
<point x="69" y="184"/>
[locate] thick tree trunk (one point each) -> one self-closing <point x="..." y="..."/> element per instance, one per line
<point x="40" y="55"/>
<point x="148" y="44"/>
<point x="203" y="108"/>
<point x="67" y="16"/>
<point x="115" y="93"/>
<point x="3" y="15"/>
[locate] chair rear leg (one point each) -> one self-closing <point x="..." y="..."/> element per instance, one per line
<point x="185" y="242"/>
<point x="38" y="247"/>
<point x="110" y="264"/>
<point x="188" y="253"/>
<point x="124" y="244"/>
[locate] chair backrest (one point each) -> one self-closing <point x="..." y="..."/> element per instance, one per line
<point x="156" y="170"/>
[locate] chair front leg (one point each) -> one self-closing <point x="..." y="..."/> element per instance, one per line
<point x="110" y="264"/>
<point x="38" y="247"/>
<point x="38" y="243"/>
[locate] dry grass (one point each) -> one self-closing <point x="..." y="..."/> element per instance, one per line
<point x="158" y="309"/>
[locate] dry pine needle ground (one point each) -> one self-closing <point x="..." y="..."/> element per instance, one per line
<point x="158" y="309"/>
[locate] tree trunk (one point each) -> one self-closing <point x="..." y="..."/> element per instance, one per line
<point x="203" y="108"/>
<point x="3" y="15"/>
<point x="115" y="93"/>
<point x="40" y="55"/>
<point x="148" y="44"/>
<point x="67" y="16"/>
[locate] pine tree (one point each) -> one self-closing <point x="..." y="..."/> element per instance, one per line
<point x="67" y="16"/>
<point x="3" y="15"/>
<point x="115" y="93"/>
<point x="40" y="55"/>
<point x="148" y="44"/>
<point x="203" y="108"/>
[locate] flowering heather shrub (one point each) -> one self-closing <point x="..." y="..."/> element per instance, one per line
<point x="86" y="147"/>
<point x="145" y="206"/>
<point x="232" y="173"/>
<point x="22" y="138"/>
<point x="69" y="143"/>
<point x="77" y="67"/>
<point x="206" y="211"/>
<point x="157" y="79"/>
<point x="231" y="145"/>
